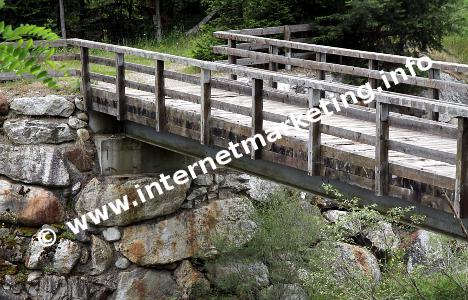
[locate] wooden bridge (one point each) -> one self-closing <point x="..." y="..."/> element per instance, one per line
<point x="378" y="154"/>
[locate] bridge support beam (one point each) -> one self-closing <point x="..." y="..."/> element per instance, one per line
<point x="315" y="141"/>
<point x="205" y="102"/>
<point x="257" y="114"/>
<point x="461" y="183"/>
<point x="382" y="178"/>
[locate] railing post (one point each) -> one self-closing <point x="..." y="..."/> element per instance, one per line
<point x="461" y="181"/>
<point x="159" y="95"/>
<point x="272" y="66"/>
<point x="231" y="58"/>
<point x="288" y="51"/>
<point x="120" y="85"/>
<point x="382" y="179"/>
<point x="434" y="74"/>
<point x="373" y="65"/>
<point x="205" y="102"/>
<point x="257" y="114"/>
<point x="85" y="78"/>
<point x="321" y="57"/>
<point x="314" y="142"/>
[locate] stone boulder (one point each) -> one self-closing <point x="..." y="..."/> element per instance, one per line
<point x="28" y="132"/>
<point x="424" y="248"/>
<point x="194" y="285"/>
<point x="66" y="256"/>
<point x="76" y="123"/>
<point x="51" y="105"/>
<point x="81" y="154"/>
<point x="101" y="255"/>
<point x="34" y="164"/>
<point x="146" y="284"/>
<point x="52" y="287"/>
<point x="99" y="192"/>
<point x="189" y="233"/>
<point x="228" y="275"/>
<point x="260" y="189"/>
<point x="346" y="260"/>
<point x="283" y="292"/>
<point x="29" y="205"/>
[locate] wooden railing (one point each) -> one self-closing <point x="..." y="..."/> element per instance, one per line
<point x="211" y="76"/>
<point x="252" y="47"/>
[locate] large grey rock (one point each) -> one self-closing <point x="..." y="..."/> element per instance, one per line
<point x="66" y="256"/>
<point x="190" y="233"/>
<point x="261" y="190"/>
<point x="38" y="255"/>
<point x="283" y="292"/>
<point x="349" y="260"/>
<point x="227" y="275"/>
<point x="28" y="205"/>
<point x="34" y="164"/>
<point x="146" y="284"/>
<point x="51" y="105"/>
<point x="27" y="131"/>
<point x="101" y="255"/>
<point x="99" y="192"/>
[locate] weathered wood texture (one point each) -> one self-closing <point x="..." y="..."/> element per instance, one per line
<point x="461" y="184"/>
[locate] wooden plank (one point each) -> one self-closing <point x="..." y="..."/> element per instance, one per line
<point x="382" y="178"/>
<point x="314" y="141"/>
<point x="273" y="66"/>
<point x="160" y="102"/>
<point x="120" y="85"/>
<point x="373" y="65"/>
<point x="257" y="114"/>
<point x="434" y="74"/>
<point x="231" y="58"/>
<point x="85" y="80"/>
<point x="461" y="181"/>
<point x="321" y="57"/>
<point x="288" y="50"/>
<point x="205" y="106"/>
<point x="274" y="30"/>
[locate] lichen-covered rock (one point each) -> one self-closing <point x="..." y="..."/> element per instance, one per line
<point x="29" y="205"/>
<point x="349" y="260"/>
<point x="122" y="263"/>
<point x="30" y="132"/>
<point x="66" y="256"/>
<point x="34" y="164"/>
<point x="51" y="105"/>
<point x="227" y="275"/>
<point x="203" y="179"/>
<point x="99" y="192"/>
<point x="425" y="248"/>
<point x="194" y="285"/>
<point x="52" y="287"/>
<point x="101" y="255"/>
<point x="146" y="284"/>
<point x="260" y="189"/>
<point x="80" y="104"/>
<point x="283" y="292"/>
<point x="190" y="233"/>
<point x="76" y="123"/>
<point x="38" y="255"/>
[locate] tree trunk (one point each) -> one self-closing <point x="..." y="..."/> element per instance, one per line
<point x="157" y="20"/>
<point x="62" y="20"/>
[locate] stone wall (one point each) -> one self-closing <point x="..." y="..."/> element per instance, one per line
<point x="165" y="249"/>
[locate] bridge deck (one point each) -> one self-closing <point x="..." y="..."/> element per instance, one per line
<point x="420" y="170"/>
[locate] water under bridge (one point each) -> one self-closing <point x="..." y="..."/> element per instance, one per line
<point x="393" y="153"/>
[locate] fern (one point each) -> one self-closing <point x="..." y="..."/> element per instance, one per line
<point x="20" y="55"/>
